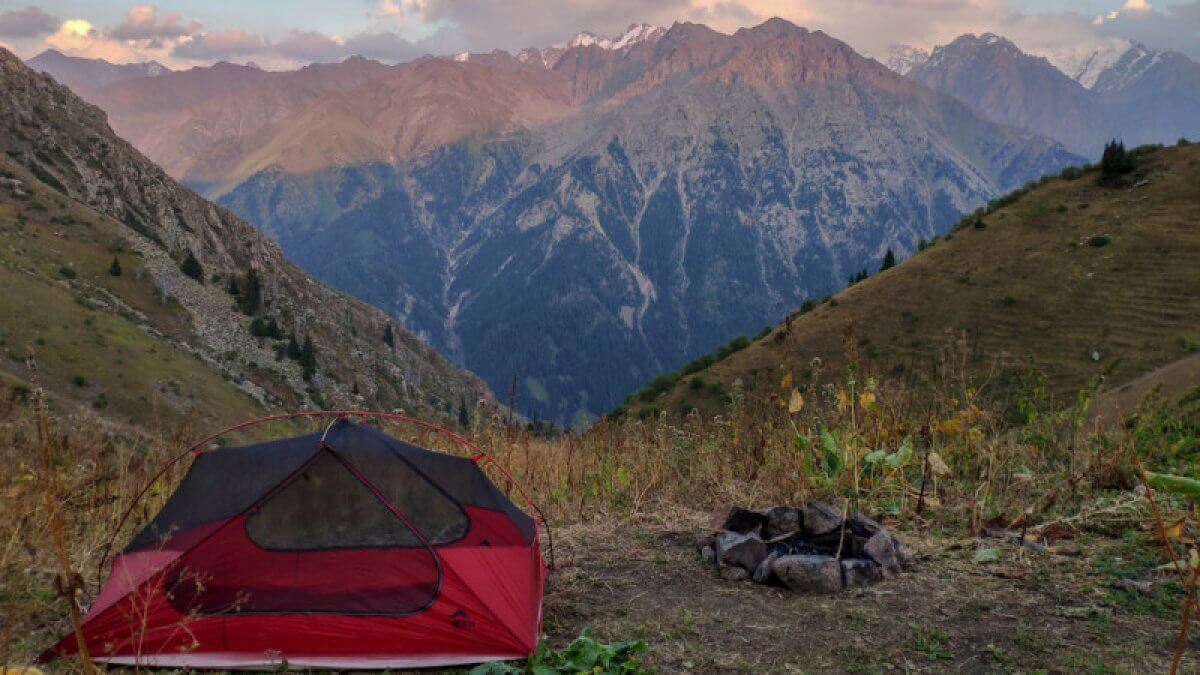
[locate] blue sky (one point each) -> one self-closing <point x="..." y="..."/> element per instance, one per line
<point x="287" y="33"/>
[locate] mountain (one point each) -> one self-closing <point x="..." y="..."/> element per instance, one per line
<point x="76" y="195"/>
<point x="172" y="117"/>
<point x="1072" y="280"/>
<point x="578" y="228"/>
<point x="84" y="75"/>
<point x="903" y="58"/>
<point x="1086" y="63"/>
<point x="992" y="75"/>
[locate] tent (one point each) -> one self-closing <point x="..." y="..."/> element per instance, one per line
<point x="342" y="549"/>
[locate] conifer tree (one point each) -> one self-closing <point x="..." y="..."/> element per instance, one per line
<point x="388" y="338"/>
<point x="889" y="261"/>
<point x="251" y="296"/>
<point x="191" y="267"/>
<point x="308" y="358"/>
<point x="464" y="417"/>
<point x="293" y="348"/>
<point x="115" y="268"/>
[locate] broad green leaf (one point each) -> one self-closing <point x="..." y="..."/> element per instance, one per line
<point x="1179" y="485"/>
<point x="986" y="555"/>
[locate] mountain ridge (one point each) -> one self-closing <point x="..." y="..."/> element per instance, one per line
<point x="65" y="144"/>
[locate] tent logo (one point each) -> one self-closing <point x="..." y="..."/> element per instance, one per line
<point x="459" y="619"/>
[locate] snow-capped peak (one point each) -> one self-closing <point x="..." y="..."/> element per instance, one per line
<point x="637" y="32"/>
<point x="1086" y="63"/>
<point x="903" y="58"/>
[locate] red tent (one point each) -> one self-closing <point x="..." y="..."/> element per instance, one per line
<point x="345" y="549"/>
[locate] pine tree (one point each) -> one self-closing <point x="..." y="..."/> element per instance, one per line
<point x="115" y="268"/>
<point x="388" y="338"/>
<point x="293" y="348"/>
<point x="308" y="358"/>
<point x="251" y="297"/>
<point x="1115" y="162"/>
<point x="191" y="267"/>
<point x="889" y="261"/>
<point x="233" y="286"/>
<point x="464" y="417"/>
<point x="273" y="330"/>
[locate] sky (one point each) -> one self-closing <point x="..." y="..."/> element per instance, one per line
<point x="284" y="34"/>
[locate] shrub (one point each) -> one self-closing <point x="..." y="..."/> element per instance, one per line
<point x="1183" y="142"/>
<point x="696" y="383"/>
<point x="922" y="244"/>
<point x="1189" y="343"/>
<point x="808" y="306"/>
<point x="192" y="267"/>
<point x="1062" y="208"/>
<point x="79" y="381"/>
<point x="1098" y="240"/>
<point x="100" y="402"/>
<point x="114" y="269"/>
<point x="1070" y="173"/>
<point x="979" y="224"/>
<point x="1008" y="299"/>
<point x="67" y="272"/>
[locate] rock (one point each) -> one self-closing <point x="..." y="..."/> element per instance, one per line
<point x="860" y="572"/>
<point x="862" y="526"/>
<point x="704" y="540"/>
<point x="707" y="554"/>
<point x="736" y="519"/>
<point x="809" y="573"/>
<point x="734" y="574"/>
<point x="763" y="573"/>
<point x="904" y="554"/>
<point x="882" y="549"/>
<point x="783" y="520"/>
<point x="741" y="550"/>
<point x="821" y="518"/>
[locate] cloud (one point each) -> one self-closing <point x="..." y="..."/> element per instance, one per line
<point x="30" y="22"/>
<point x="78" y="37"/>
<point x="142" y="23"/>
<point x="220" y="44"/>
<point x="308" y="46"/>
<point x="1175" y="27"/>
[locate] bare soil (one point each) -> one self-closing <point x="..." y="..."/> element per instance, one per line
<point x="1027" y="611"/>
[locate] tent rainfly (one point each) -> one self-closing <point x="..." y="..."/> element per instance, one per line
<point x="346" y="549"/>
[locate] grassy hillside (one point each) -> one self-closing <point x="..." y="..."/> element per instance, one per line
<point x="1073" y="281"/>
<point x="94" y="339"/>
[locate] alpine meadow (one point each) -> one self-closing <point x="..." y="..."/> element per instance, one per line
<point x="604" y="337"/>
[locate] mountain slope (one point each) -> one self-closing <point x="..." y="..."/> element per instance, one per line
<point x="59" y="144"/>
<point x="173" y="116"/>
<point x="1075" y="279"/>
<point x="85" y="76"/>
<point x="671" y="195"/>
<point x="1143" y="98"/>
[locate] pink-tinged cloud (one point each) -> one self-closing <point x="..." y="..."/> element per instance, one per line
<point x="142" y="22"/>
<point x="30" y="22"/>
<point x="220" y="44"/>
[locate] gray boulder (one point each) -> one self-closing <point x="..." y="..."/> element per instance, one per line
<point x="882" y="549"/>
<point x="821" y="518"/>
<point x="782" y="520"/>
<point x="860" y="572"/>
<point x="740" y="550"/>
<point x="809" y="573"/>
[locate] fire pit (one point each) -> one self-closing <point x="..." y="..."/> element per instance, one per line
<point x="809" y="549"/>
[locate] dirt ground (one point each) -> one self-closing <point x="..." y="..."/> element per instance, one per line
<point x="1025" y="612"/>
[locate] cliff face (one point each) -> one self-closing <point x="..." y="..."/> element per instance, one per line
<point x="620" y="212"/>
<point x="68" y="146"/>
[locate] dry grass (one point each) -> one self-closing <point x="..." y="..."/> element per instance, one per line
<point x="625" y="500"/>
<point x="1028" y="288"/>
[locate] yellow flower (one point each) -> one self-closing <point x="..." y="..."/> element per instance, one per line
<point x="843" y="400"/>
<point x="867" y="400"/>
<point x="796" y="402"/>
<point x="786" y="381"/>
